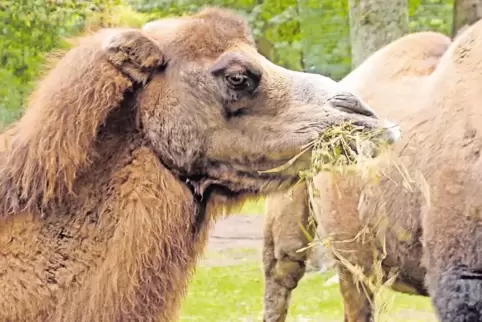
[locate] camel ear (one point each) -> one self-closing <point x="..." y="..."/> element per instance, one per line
<point x="134" y="53"/>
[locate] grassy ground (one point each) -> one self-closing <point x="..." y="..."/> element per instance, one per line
<point x="253" y="207"/>
<point x="234" y="293"/>
<point x="228" y="283"/>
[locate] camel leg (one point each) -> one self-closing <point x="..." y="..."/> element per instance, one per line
<point x="282" y="275"/>
<point x="283" y="265"/>
<point x="356" y="301"/>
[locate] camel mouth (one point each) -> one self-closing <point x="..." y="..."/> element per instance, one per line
<point x="232" y="182"/>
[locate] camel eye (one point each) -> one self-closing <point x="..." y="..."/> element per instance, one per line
<point x="238" y="80"/>
<point x="243" y="81"/>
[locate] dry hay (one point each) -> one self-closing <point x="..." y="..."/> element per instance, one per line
<point x="344" y="148"/>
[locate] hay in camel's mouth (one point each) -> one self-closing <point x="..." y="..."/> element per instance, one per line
<point x="340" y="148"/>
<point x="343" y="147"/>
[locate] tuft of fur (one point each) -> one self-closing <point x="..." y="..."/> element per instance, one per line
<point x="90" y="218"/>
<point x="147" y="268"/>
<point x="457" y="294"/>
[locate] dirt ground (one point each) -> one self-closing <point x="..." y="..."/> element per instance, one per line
<point x="235" y="239"/>
<point x="239" y="238"/>
<point x="239" y="231"/>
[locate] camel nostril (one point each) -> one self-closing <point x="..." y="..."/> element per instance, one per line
<point x="349" y="103"/>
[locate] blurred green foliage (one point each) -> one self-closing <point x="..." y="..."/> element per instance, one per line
<point x="29" y="30"/>
<point x="309" y="35"/>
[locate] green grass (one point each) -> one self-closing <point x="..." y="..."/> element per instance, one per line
<point x="234" y="293"/>
<point x="7" y="116"/>
<point x="252" y="207"/>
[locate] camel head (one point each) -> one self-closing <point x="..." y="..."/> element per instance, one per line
<point x="220" y="113"/>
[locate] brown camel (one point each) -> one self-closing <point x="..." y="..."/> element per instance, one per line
<point x="410" y="82"/>
<point x="130" y="147"/>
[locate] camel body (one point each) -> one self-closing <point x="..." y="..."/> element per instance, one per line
<point x="421" y="223"/>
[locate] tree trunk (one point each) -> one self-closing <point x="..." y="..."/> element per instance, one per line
<point x="374" y="24"/>
<point x="466" y="12"/>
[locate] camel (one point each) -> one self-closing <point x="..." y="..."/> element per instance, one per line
<point x="131" y="146"/>
<point x="425" y="83"/>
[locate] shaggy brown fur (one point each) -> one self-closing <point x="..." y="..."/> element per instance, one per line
<point x="394" y="80"/>
<point x="109" y="182"/>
